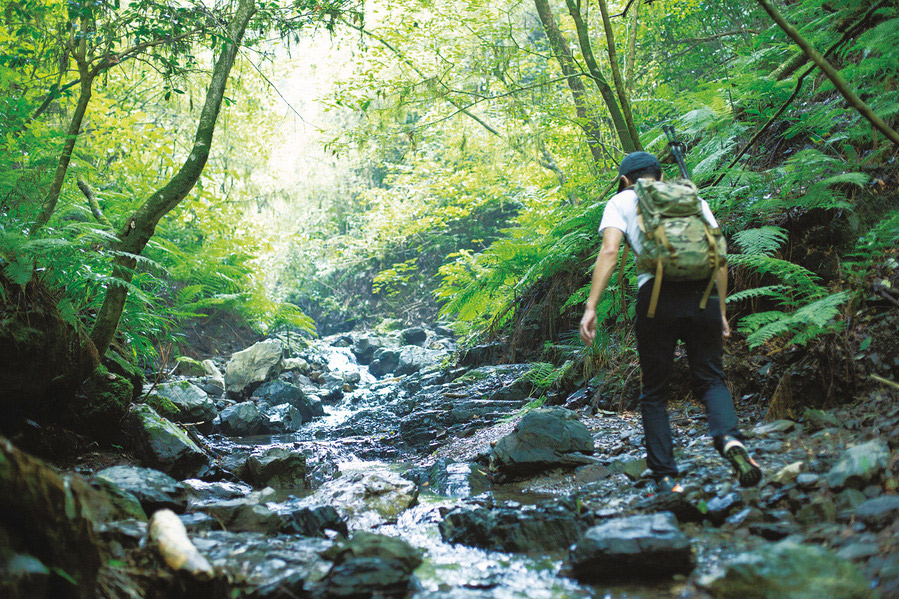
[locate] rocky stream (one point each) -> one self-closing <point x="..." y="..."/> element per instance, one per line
<point x="390" y="466"/>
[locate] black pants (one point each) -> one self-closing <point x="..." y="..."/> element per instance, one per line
<point x="678" y="317"/>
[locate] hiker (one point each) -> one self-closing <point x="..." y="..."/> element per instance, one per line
<point x="674" y="313"/>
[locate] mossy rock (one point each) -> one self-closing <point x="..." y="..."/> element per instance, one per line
<point x="163" y="406"/>
<point x="388" y="325"/>
<point x="118" y="364"/>
<point x="189" y="367"/>
<point x="105" y="398"/>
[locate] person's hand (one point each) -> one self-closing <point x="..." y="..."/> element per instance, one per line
<point x="725" y="327"/>
<point x="588" y="326"/>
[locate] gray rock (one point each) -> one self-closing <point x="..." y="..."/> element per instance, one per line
<point x="279" y="392"/>
<point x="162" y="444"/>
<point x="414" y="336"/>
<point x="212" y="370"/>
<point x="203" y="492"/>
<point x="283" y="419"/>
<point x="372" y="565"/>
<point x="719" y="508"/>
<point x="384" y="361"/>
<point x="859" y="465"/>
<point x="816" y="420"/>
<point x="278" y="468"/>
<point x="247" y="515"/>
<point x="787" y="570"/>
<point x="770" y="428"/>
<point x="154" y="490"/>
<point x="849" y="499"/>
<point x="313" y="521"/>
<point x="213" y="386"/>
<point x="249" y="368"/>
<point x="413" y="359"/>
<point x="368" y="499"/>
<point x="636" y="547"/>
<point x="240" y="420"/>
<point x="543" y="439"/>
<point x="880" y="512"/>
<point x="193" y="402"/>
<point x="539" y="529"/>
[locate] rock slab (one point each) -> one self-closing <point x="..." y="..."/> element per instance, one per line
<point x="162" y="444"/>
<point x="253" y="366"/>
<point x="859" y="465"/>
<point x="634" y="547"/>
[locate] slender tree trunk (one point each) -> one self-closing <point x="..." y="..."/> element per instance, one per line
<point x="631" y="51"/>
<point x="832" y="74"/>
<point x="616" y="74"/>
<point x="142" y="224"/>
<point x="52" y="197"/>
<point x="608" y="96"/>
<point x="561" y="51"/>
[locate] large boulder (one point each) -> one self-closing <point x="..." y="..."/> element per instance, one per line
<point x="193" y="403"/>
<point x="542" y="439"/>
<point x="787" y="570"/>
<point x="372" y="565"/>
<point x="414" y="336"/>
<point x="247" y="514"/>
<point x="119" y="365"/>
<point x="538" y="529"/>
<point x="241" y="420"/>
<point x="879" y="512"/>
<point x="412" y="359"/>
<point x="154" y="490"/>
<point x="368" y="499"/>
<point x="253" y="366"/>
<point x="103" y="402"/>
<point x="634" y="547"/>
<point x="859" y="465"/>
<point x="162" y="444"/>
<point x="384" y="361"/>
<point x="283" y="418"/>
<point x="279" y="392"/>
<point x="279" y="468"/>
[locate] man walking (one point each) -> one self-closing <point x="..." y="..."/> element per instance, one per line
<point x="678" y="315"/>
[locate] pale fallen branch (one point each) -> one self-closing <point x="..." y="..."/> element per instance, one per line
<point x="168" y="535"/>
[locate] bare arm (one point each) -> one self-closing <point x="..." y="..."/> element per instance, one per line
<point x="721" y="282"/>
<point x="602" y="272"/>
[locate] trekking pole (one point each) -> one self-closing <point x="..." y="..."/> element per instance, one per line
<point x="677" y="150"/>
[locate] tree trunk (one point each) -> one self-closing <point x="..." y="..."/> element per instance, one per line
<point x="608" y="96"/>
<point x="616" y="74"/>
<point x="560" y="49"/>
<point x="52" y="197"/>
<point x="142" y="224"/>
<point x="631" y="51"/>
<point x="832" y="74"/>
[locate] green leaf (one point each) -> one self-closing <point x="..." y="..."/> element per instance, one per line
<point x="20" y="271"/>
<point x="865" y="344"/>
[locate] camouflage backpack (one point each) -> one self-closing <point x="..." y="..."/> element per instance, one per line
<point x="679" y="244"/>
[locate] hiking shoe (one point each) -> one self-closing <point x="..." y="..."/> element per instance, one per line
<point x="666" y="484"/>
<point x="749" y="473"/>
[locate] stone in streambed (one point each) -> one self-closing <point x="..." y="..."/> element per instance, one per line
<point x="787" y="570"/>
<point x="192" y="402"/>
<point x="162" y="444"/>
<point x="278" y="468"/>
<point x="240" y="420"/>
<point x="859" y="465"/>
<point x="154" y="490"/>
<point x="372" y="565"/>
<point x="542" y="439"/>
<point x="635" y="547"/>
<point x="253" y="366"/>
<point x="543" y="528"/>
<point x="283" y="419"/>
<point x="368" y="499"/>
<point x="247" y="514"/>
<point x="880" y="512"/>
<point x="315" y="520"/>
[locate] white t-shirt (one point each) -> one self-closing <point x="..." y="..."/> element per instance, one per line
<point x="621" y="214"/>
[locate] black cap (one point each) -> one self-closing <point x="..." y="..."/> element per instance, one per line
<point x="636" y="161"/>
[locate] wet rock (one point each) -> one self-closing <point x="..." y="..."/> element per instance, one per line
<point x="849" y="499"/>
<point x="384" y="361"/>
<point x="857" y="551"/>
<point x="859" y="465"/>
<point x="542" y="439"/>
<point x="785" y="570"/>
<point x="240" y="420"/>
<point x="120" y="366"/>
<point x="278" y="468"/>
<point x="637" y="547"/>
<point x="364" y="348"/>
<point x="279" y="392"/>
<point x="745" y="516"/>
<point x="719" y="508"/>
<point x="283" y="418"/>
<point x="479" y="355"/>
<point x="314" y="521"/>
<point x="247" y="514"/>
<point x="372" y="565"/>
<point x="817" y="511"/>
<point x="788" y="473"/>
<point x="677" y="504"/>
<point x="124" y="500"/>
<point x="413" y="359"/>
<point x="253" y="366"/>
<point x="808" y="480"/>
<point x="162" y="444"/>
<point x="880" y="512"/>
<point x="24" y="575"/>
<point x="295" y="364"/>
<point x="202" y="491"/>
<point x="770" y="428"/>
<point x="518" y="391"/>
<point x="154" y="490"/>
<point x="368" y="499"/>
<point x="414" y="336"/>
<point x="268" y="566"/>
<point x="192" y="402"/>
<point x="816" y="420"/>
<point x="538" y="529"/>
